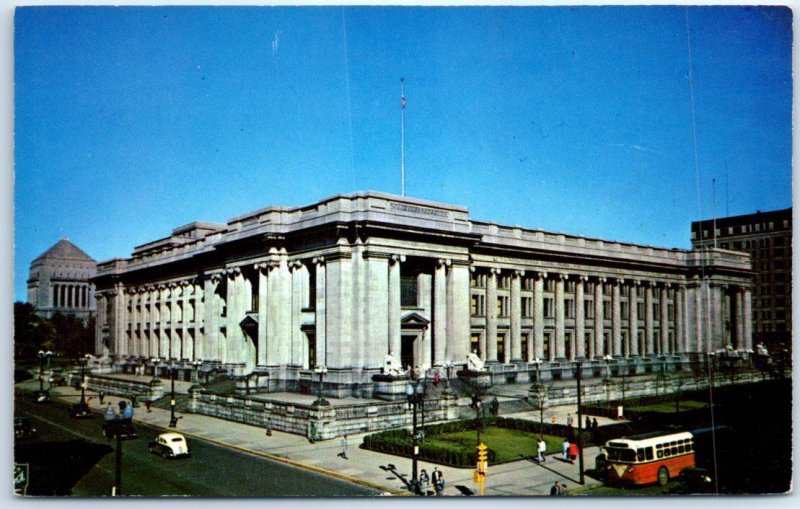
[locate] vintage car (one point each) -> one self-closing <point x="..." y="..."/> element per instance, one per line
<point x="169" y="445"/>
<point x="23" y="428"/>
<point x="80" y="411"/>
<point x="122" y="428"/>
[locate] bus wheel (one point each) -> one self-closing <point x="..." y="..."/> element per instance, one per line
<point x="663" y="476"/>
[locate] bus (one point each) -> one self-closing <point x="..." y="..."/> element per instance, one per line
<point x="648" y="458"/>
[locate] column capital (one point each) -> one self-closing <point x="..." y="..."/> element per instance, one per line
<point x="397" y="258"/>
<point x="266" y="266"/>
<point x="232" y="272"/>
<point x="540" y="274"/>
<point x="446" y="262"/>
<point x="582" y="278"/>
<point x="517" y="273"/>
<point x="600" y="279"/>
<point x="295" y="265"/>
<point x="494" y="271"/>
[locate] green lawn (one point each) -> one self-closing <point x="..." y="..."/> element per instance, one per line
<point x="669" y="407"/>
<point x="508" y="444"/>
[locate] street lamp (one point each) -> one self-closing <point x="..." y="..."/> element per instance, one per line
<point x="321" y="401"/>
<point x="578" y="377"/>
<point x="415" y="393"/>
<point x="197" y="363"/>
<point x="607" y="379"/>
<point x="539" y="389"/>
<point x="173" y="422"/>
<point x="42" y="356"/>
<point x="83" y="361"/>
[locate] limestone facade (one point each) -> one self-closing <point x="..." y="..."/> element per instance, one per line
<point x="364" y="282"/>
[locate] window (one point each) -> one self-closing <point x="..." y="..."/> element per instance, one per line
<point x="670" y="311"/>
<point x="730" y="230"/>
<point x="606" y="310"/>
<point x="474" y="344"/>
<point x="474" y="305"/>
<point x="624" y="309"/>
<point x="504" y="282"/>
<point x="549" y="285"/>
<point x="408" y="291"/>
<point x="548" y="307"/>
<point x="588" y="308"/>
<point x="639" y="310"/>
<point x="502" y="306"/>
<point x="527" y="307"/>
<point x="527" y="283"/>
<point x="477" y="280"/>
<point x="656" y="314"/>
<point x="569" y="308"/>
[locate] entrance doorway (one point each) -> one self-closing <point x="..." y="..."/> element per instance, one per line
<point x="407" y="356"/>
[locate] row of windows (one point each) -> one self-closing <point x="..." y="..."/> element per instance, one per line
<point x="479" y="280"/>
<point x="745" y="228"/>
<point x="478" y="308"/>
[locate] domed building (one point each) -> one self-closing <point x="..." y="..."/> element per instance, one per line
<point x="58" y="282"/>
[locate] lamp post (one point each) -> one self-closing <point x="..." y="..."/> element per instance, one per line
<point x="321" y="401"/>
<point x="42" y="356"/>
<point x="83" y="361"/>
<point x="415" y="393"/>
<point x="173" y="422"/>
<point x="539" y="389"/>
<point x="578" y="376"/>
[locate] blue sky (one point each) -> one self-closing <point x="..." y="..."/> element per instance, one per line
<point x="132" y="121"/>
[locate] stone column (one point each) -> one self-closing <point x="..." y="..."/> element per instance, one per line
<point x="633" y="318"/>
<point x="377" y="295"/>
<point x="232" y="343"/>
<point x="739" y="329"/>
<point x="516" y="315"/>
<point x="339" y="321"/>
<point x="187" y="346"/>
<point x="648" y="318"/>
<point x="538" y="314"/>
<point x="559" y="318"/>
<point x="616" y="320"/>
<point x="680" y="332"/>
<point x="319" y="311"/>
<point x="262" y="271"/>
<point x="395" y="339"/>
<point x="210" y="350"/>
<point x="598" y="318"/>
<point x="716" y="316"/>
<point x="491" y="315"/>
<point x="101" y="320"/>
<point x="580" y="319"/>
<point x="299" y="281"/>
<point x="133" y="319"/>
<point x="153" y="293"/>
<point x="458" y="339"/>
<point x="748" y="321"/>
<point x="440" y="311"/>
<point x="171" y="304"/>
<point x="664" y="325"/>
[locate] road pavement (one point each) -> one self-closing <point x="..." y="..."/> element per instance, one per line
<point x="365" y="468"/>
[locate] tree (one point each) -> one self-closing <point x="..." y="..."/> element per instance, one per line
<point x="66" y="335"/>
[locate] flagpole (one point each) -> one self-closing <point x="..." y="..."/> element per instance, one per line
<point x="402" y="140"/>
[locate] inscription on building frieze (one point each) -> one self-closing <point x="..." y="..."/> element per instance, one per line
<point x="421" y="211"/>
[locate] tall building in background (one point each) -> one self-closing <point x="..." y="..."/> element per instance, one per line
<point x="767" y="238"/>
<point x="58" y="282"/>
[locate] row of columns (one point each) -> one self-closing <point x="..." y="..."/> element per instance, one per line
<point x="683" y="339"/>
<point x="70" y="296"/>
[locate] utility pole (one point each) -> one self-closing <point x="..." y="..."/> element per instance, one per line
<point x="117" y="489"/>
<point x="578" y="366"/>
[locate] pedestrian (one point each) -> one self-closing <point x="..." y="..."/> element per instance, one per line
<point x="594" y="425"/>
<point x="541" y="448"/>
<point x="438" y="481"/>
<point x="573" y="452"/>
<point x="343" y="443"/>
<point x="110" y="414"/>
<point x="588" y="425"/>
<point x="565" y="449"/>
<point x="127" y="412"/>
<point x="570" y="420"/>
<point x="424" y="483"/>
<point x="147" y="404"/>
<point x="555" y="490"/>
<point x="269" y="425"/>
<point x="312" y="432"/>
<point x="102" y="396"/>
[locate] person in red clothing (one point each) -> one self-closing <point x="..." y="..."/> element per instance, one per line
<point x="573" y="452"/>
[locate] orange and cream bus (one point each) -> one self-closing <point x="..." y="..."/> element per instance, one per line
<point x="648" y="458"/>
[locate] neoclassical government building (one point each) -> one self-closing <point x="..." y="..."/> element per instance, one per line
<point x="368" y="284"/>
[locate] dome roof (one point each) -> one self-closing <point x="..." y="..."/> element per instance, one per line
<point x="64" y="250"/>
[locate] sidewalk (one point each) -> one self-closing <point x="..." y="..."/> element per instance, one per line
<point x="520" y="478"/>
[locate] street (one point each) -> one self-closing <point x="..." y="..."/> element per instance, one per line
<point x="70" y="457"/>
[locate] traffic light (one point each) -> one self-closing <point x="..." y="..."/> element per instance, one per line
<point x="483" y="456"/>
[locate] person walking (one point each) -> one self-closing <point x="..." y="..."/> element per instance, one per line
<point x="424" y="483"/>
<point x="587" y="424"/>
<point x="102" y="396"/>
<point x="147" y="404"/>
<point x="343" y="443"/>
<point x="110" y="414"/>
<point x="438" y="481"/>
<point x="570" y="420"/>
<point x="565" y="449"/>
<point x="573" y="452"/>
<point x="555" y="490"/>
<point x="541" y="449"/>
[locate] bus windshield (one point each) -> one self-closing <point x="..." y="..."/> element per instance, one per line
<point x="616" y="454"/>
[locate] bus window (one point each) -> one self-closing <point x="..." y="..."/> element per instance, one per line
<point x="674" y="450"/>
<point x="649" y="453"/>
<point x="681" y="449"/>
<point x="640" y="454"/>
<point x="659" y="453"/>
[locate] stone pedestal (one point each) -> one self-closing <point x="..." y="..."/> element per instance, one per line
<point x="389" y="387"/>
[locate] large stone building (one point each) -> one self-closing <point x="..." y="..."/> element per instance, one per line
<point x="367" y="284"/>
<point x="767" y="238"/>
<point x="58" y="282"/>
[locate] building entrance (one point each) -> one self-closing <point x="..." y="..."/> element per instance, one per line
<point x="407" y="351"/>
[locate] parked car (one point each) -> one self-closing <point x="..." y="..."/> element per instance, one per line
<point x="80" y="411"/>
<point x="120" y="427"/>
<point x="169" y="445"/>
<point x="695" y="480"/>
<point x="23" y="428"/>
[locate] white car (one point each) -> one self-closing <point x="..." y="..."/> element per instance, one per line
<point x="169" y="445"/>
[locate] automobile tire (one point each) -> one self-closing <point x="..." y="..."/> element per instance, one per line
<point x="663" y="476"/>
